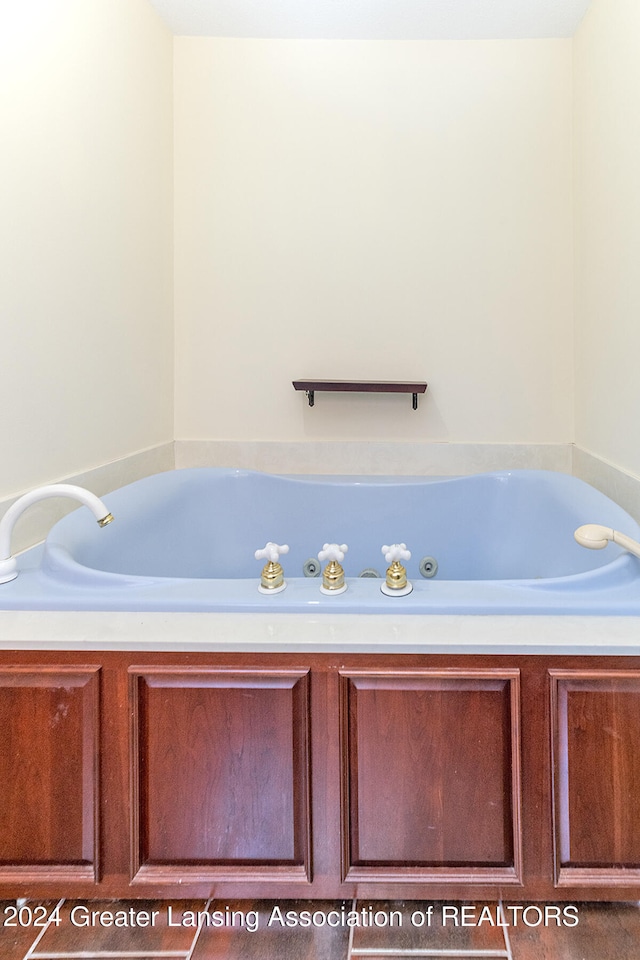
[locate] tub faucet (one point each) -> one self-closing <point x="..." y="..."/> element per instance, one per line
<point x="8" y="565"/>
<point x="272" y="576"/>
<point x="333" y="574"/>
<point x="396" y="583"/>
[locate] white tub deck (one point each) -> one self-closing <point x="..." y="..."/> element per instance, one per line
<point x="326" y="633"/>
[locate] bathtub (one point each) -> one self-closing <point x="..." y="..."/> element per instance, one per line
<point x="160" y="638"/>
<point x="185" y="541"/>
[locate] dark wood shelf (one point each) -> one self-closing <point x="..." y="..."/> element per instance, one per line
<point x="361" y="386"/>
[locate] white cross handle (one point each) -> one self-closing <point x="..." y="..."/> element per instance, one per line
<point x="333" y="551"/>
<point x="271" y="551"/>
<point x="397" y="551"/>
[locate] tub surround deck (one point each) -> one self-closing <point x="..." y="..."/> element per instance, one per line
<point x="185" y="755"/>
<point x="309" y="633"/>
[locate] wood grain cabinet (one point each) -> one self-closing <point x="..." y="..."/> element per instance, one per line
<point x="426" y="752"/>
<point x="220" y="774"/>
<point x="596" y="746"/>
<point x="141" y="774"/>
<point x="49" y="773"/>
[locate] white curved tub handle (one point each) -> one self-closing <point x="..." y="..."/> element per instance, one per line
<point x="271" y="551"/>
<point x="595" y="537"/>
<point x="396" y="551"/>
<point x="333" y="551"/>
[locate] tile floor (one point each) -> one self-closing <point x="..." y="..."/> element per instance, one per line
<point x="263" y="930"/>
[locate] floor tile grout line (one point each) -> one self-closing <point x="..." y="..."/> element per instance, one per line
<point x="505" y="933"/>
<point x="30" y="951"/>
<point x="424" y="952"/>
<point x="111" y="955"/>
<point x="196" y="936"/>
<point x="354" y="907"/>
<point x="374" y="952"/>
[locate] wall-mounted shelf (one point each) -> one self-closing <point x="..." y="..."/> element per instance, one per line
<point x="361" y="386"/>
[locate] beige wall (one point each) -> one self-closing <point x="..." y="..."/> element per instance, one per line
<point x="374" y="210"/>
<point x="342" y="209"/>
<point x="607" y="191"/>
<point x="86" y="327"/>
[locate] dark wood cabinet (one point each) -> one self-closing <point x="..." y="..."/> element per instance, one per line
<point x="319" y="775"/>
<point x="596" y="746"/>
<point x="49" y="773"/>
<point x="220" y="774"/>
<point x="426" y="751"/>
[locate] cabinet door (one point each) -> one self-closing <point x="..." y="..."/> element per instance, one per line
<point x="220" y="774"/>
<point x="596" y="766"/>
<point x="49" y="773"/>
<point x="431" y="775"/>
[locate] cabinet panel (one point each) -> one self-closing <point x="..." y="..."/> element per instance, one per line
<point x="431" y="774"/>
<point x="596" y="744"/>
<point x="444" y="776"/>
<point x="220" y="774"/>
<point x="49" y="773"/>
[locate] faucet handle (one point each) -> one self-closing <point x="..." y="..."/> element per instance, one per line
<point x="397" y="551"/>
<point x="271" y="551"/>
<point x="333" y="551"/>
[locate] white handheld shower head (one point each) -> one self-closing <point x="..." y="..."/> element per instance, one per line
<point x="593" y="535"/>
